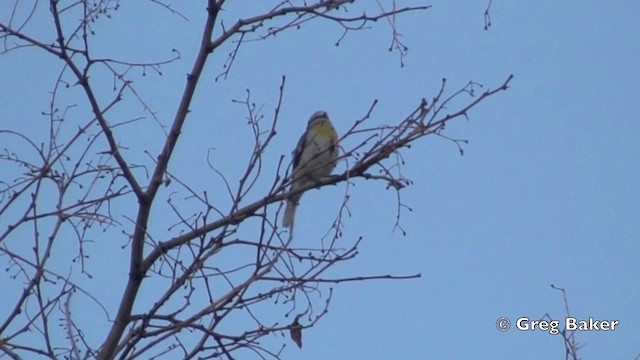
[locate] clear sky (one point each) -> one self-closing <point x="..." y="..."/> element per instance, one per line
<point x="546" y="192"/>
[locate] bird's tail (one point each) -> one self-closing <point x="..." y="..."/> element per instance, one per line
<point x="289" y="214"/>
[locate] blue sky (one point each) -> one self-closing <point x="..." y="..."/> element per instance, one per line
<point x="546" y="192"/>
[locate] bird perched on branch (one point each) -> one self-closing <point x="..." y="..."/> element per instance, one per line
<point x="314" y="158"/>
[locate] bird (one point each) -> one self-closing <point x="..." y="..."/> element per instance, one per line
<point x="314" y="158"/>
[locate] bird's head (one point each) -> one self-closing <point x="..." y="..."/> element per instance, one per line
<point x="318" y="115"/>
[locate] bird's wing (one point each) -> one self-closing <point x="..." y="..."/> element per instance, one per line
<point x="297" y="153"/>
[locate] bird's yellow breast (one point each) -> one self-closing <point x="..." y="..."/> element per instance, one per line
<point x="324" y="128"/>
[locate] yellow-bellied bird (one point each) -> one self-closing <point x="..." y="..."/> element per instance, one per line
<point x="314" y="158"/>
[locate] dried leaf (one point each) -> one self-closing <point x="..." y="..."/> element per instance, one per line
<point x="295" y="330"/>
